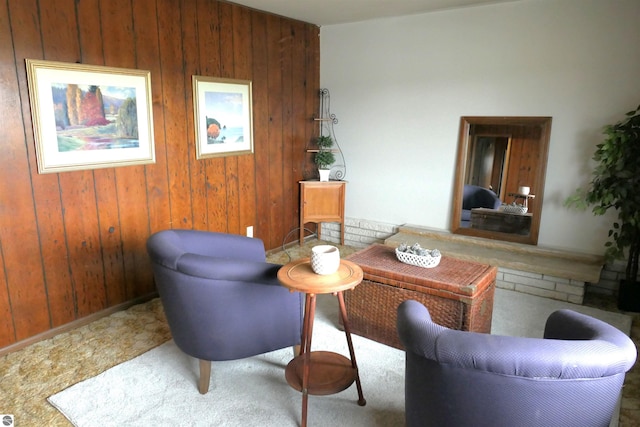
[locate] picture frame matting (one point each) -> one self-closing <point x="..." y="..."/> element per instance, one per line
<point x="223" y="116"/>
<point x="89" y="116"/>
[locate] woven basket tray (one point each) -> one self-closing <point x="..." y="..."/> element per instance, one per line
<point x="417" y="260"/>
<point x="513" y="209"/>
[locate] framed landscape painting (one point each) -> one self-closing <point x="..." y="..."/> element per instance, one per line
<point x="87" y="117"/>
<point x="223" y="117"/>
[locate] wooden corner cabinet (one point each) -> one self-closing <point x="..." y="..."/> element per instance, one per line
<point x="322" y="202"/>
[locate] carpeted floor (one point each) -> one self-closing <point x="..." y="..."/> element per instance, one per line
<point x="159" y="387"/>
<point x="30" y="375"/>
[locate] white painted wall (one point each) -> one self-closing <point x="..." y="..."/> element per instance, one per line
<point x="400" y="85"/>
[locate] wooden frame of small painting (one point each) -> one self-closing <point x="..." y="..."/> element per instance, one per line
<point x="88" y="117"/>
<point x="222" y="117"/>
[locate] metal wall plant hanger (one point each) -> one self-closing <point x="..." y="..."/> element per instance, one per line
<point x="327" y="120"/>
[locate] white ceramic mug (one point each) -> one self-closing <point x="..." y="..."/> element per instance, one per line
<point x="325" y="259"/>
<point x="524" y="191"/>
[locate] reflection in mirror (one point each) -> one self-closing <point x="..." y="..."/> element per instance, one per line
<point x="488" y="159"/>
<point x="500" y="177"/>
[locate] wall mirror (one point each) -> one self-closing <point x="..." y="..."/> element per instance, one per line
<point x="499" y="184"/>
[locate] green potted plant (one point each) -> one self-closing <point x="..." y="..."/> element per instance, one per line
<point x="615" y="184"/>
<point x="324" y="158"/>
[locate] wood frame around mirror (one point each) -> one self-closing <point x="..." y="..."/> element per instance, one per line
<point x="501" y="126"/>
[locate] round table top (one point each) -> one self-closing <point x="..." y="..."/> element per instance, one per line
<point x="298" y="276"/>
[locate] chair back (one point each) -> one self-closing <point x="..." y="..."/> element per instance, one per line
<point x="479" y="197"/>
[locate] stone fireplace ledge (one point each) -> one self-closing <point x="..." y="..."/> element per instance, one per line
<point x="550" y="273"/>
<point x="516" y="256"/>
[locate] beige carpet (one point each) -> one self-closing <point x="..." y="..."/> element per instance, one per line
<point x="159" y="387"/>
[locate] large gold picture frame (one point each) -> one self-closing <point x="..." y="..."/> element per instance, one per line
<point x="223" y="117"/>
<point x="88" y="117"/>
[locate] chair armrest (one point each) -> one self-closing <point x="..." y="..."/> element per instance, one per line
<point x="571" y="325"/>
<point x="518" y="356"/>
<point x="164" y="248"/>
<point x="227" y="269"/>
<point x="530" y="357"/>
<point x="417" y="332"/>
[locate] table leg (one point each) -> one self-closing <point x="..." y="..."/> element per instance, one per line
<point x="352" y="353"/>
<point x="307" y="333"/>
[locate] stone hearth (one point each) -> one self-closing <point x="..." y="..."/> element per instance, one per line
<point x="534" y="270"/>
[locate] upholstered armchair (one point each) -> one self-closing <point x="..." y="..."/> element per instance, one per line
<point x="222" y="300"/>
<point x="474" y="196"/>
<point x="571" y="377"/>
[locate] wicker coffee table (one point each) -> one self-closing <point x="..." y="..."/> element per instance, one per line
<point x="458" y="293"/>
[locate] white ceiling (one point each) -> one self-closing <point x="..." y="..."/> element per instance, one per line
<point x="328" y="12"/>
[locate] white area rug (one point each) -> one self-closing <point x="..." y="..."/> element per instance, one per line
<point x="159" y="388"/>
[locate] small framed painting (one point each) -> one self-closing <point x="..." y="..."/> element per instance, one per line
<point x="88" y="117"/>
<point x="223" y="117"/>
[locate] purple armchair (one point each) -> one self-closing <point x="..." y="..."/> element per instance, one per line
<point x="222" y="300"/>
<point x="474" y="196"/>
<point x="572" y="377"/>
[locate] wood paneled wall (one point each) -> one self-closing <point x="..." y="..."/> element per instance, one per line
<point x="73" y="244"/>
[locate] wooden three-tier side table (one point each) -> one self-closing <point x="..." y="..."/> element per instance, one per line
<point x="321" y="372"/>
